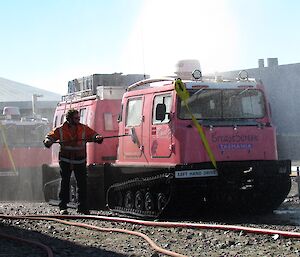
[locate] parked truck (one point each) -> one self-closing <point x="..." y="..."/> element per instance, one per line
<point x="21" y="155"/>
<point x="212" y="151"/>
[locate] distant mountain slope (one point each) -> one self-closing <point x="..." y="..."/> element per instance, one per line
<point x="12" y="91"/>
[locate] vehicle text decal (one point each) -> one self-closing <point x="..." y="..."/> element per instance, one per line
<point x="196" y="173"/>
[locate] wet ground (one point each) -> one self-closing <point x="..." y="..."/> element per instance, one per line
<point x="290" y="208"/>
<point x="73" y="241"/>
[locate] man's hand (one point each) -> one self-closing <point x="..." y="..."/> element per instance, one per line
<point x="99" y="139"/>
<point x="47" y="143"/>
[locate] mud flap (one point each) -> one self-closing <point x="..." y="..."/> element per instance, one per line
<point x="95" y="187"/>
<point x="51" y="182"/>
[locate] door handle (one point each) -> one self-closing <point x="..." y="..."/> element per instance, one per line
<point x="153" y="131"/>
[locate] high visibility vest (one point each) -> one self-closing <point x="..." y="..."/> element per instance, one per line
<point x="70" y="151"/>
<point x="73" y="143"/>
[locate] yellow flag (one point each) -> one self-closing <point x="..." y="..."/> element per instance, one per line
<point x="184" y="96"/>
<point x="7" y="148"/>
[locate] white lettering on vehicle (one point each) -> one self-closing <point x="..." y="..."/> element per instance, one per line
<point x="9" y="173"/>
<point x="196" y="173"/>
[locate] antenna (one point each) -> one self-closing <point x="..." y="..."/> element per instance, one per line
<point x="143" y="55"/>
<point x="142" y="48"/>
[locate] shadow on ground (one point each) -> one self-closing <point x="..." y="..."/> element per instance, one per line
<point x="60" y="248"/>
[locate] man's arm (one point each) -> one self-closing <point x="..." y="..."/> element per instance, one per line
<point x="93" y="136"/>
<point x="51" y="137"/>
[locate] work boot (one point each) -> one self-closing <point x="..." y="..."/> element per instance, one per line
<point x="63" y="212"/>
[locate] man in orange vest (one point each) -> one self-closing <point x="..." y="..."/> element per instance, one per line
<point x="73" y="136"/>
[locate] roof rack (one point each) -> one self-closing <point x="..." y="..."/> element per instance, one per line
<point x="77" y="95"/>
<point x="148" y="81"/>
<point x="102" y="92"/>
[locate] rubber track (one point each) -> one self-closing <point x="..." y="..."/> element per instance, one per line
<point x="160" y="181"/>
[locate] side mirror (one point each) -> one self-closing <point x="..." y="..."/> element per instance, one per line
<point x="119" y="118"/>
<point x="160" y="112"/>
<point x="120" y="115"/>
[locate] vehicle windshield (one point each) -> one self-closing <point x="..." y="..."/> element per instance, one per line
<point x="23" y="135"/>
<point x="224" y="104"/>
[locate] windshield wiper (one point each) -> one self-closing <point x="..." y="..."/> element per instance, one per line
<point x="191" y="99"/>
<point x="197" y="92"/>
<point x="243" y="91"/>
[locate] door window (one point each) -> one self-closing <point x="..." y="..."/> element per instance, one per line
<point x="134" y="112"/>
<point x="167" y="100"/>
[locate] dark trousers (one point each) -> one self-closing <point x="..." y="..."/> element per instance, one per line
<point x="81" y="181"/>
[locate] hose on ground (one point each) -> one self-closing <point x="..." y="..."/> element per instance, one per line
<point x="87" y="226"/>
<point x="43" y="246"/>
<point x="58" y="218"/>
<point x="181" y="225"/>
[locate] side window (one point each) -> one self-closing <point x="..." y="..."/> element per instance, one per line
<point x="108" y="121"/>
<point x="62" y="119"/>
<point x="55" y="122"/>
<point x="82" y="113"/>
<point x="134" y="112"/>
<point x="167" y="100"/>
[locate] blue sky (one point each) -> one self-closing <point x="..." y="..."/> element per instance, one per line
<point x="47" y="43"/>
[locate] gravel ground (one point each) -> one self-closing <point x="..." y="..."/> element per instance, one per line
<point x="67" y="240"/>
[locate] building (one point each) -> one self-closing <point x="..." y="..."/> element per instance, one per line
<point x="30" y="100"/>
